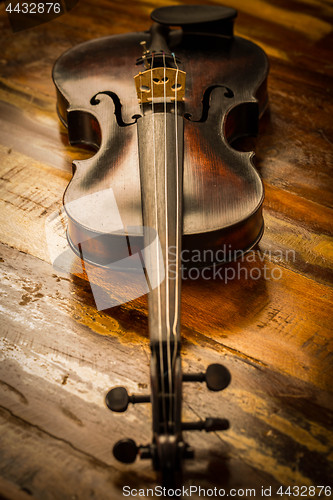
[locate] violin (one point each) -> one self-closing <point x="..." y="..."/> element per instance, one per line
<point x="162" y="108"/>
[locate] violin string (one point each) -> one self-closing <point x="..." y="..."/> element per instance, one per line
<point x="157" y="254"/>
<point x="141" y="91"/>
<point x="167" y="305"/>
<point x="176" y="314"/>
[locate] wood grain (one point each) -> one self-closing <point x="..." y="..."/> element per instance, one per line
<point x="60" y="355"/>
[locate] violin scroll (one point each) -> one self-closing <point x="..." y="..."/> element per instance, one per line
<point x="217" y="378"/>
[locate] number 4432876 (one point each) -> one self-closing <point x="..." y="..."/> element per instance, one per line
<point x="305" y="491"/>
<point x="34" y="8"/>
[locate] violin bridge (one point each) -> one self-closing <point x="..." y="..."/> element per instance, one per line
<point x="159" y="84"/>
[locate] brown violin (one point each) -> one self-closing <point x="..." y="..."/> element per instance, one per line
<point x="162" y="109"/>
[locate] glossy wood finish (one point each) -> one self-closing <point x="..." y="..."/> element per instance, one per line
<point x="223" y="193"/>
<point x="274" y="335"/>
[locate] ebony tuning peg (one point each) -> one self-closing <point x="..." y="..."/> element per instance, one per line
<point x="126" y="451"/>
<point x="117" y="399"/>
<point x="208" y="425"/>
<point x="217" y="377"/>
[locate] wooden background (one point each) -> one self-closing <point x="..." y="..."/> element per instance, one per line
<point x="59" y="355"/>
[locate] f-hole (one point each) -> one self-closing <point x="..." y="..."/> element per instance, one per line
<point x="117" y="107"/>
<point x="205" y="102"/>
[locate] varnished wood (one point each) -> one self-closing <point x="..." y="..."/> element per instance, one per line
<point x="222" y="199"/>
<point x="274" y="335"/>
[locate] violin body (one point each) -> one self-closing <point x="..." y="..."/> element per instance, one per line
<point x="222" y="191"/>
<point x="162" y="109"/>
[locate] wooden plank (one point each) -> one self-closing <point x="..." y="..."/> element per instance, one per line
<point x="10" y="491"/>
<point x="268" y="322"/>
<point x="60" y="354"/>
<point x="57" y="367"/>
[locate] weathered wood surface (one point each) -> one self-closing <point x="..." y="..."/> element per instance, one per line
<point x="60" y="355"/>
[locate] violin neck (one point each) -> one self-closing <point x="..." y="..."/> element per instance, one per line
<point x="160" y="137"/>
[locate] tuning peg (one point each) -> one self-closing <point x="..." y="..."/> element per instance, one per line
<point x="117" y="399"/>
<point x="126" y="451"/>
<point x="208" y="425"/>
<point x="217" y="377"/>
